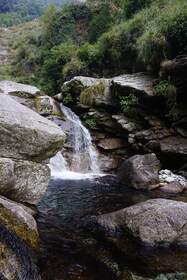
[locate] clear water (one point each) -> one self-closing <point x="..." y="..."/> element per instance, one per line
<point x="69" y="250"/>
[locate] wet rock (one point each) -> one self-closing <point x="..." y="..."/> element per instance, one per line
<point x="19" y="242"/>
<point x="140" y="172"/>
<point x="173" y="187"/>
<point x="174" y="148"/>
<point x="153" y="222"/>
<point x="181" y="127"/>
<point x="167" y="276"/>
<point x="112" y="143"/>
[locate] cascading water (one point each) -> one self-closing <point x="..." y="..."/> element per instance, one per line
<point x="84" y="157"/>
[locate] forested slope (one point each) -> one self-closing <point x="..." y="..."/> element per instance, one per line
<point x="101" y="39"/>
<point x="13" y="12"/>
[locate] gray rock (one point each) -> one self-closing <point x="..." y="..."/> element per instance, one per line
<point x="173" y="187"/>
<point x="166" y="176"/>
<point x="23" y="181"/>
<point x="175" y="147"/>
<point x="26" y="135"/>
<point x="153" y="222"/>
<point x="126" y="123"/>
<point x="140" y="172"/>
<point x="19" y="242"/>
<point x="31" y="180"/>
<point x="137" y="83"/>
<point x="6" y="175"/>
<point x="9" y="87"/>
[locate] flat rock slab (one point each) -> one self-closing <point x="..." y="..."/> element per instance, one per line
<point x="139" y="82"/>
<point x="9" y="87"/>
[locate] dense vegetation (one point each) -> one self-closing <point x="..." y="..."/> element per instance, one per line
<point x="101" y="38"/>
<point x="13" y="12"/>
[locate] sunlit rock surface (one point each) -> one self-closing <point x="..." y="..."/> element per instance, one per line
<point x="153" y="222"/>
<point x="26" y="141"/>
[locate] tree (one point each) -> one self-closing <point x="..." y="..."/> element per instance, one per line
<point x="99" y="24"/>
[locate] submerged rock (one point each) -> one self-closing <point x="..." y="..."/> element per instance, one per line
<point x="153" y="222"/>
<point x="19" y="242"/>
<point x="140" y="172"/>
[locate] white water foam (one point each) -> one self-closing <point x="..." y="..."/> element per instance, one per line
<point x="84" y="163"/>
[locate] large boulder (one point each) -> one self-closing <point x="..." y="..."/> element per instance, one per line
<point x="30" y="181"/>
<point x="153" y="222"/>
<point x="139" y="84"/>
<point x="97" y="90"/>
<point x="26" y="135"/>
<point x="140" y="172"/>
<point x="19" y="242"/>
<point x="27" y="141"/>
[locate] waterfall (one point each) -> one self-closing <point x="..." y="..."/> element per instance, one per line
<point x="84" y="156"/>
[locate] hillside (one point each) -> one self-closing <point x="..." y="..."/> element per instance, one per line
<point x="101" y="39"/>
<point x="14" y="12"/>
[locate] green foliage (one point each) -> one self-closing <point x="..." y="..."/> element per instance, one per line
<point x="61" y="25"/>
<point x="18" y="11"/>
<point x="128" y="103"/>
<point x="154" y="34"/>
<point x="133" y="6"/>
<point x="99" y="24"/>
<point x="72" y="68"/>
<point x="166" y="35"/>
<point x="68" y="99"/>
<point x="156" y="31"/>
<point x="166" y="89"/>
<point x="88" y="121"/>
<point x="14" y="12"/>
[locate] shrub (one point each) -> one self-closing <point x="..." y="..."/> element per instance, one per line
<point x="133" y="6"/>
<point x="99" y="24"/>
<point x="128" y="103"/>
<point x="72" y="68"/>
<point x="89" y="95"/>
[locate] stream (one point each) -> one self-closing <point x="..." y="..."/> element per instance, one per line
<point x="69" y="250"/>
